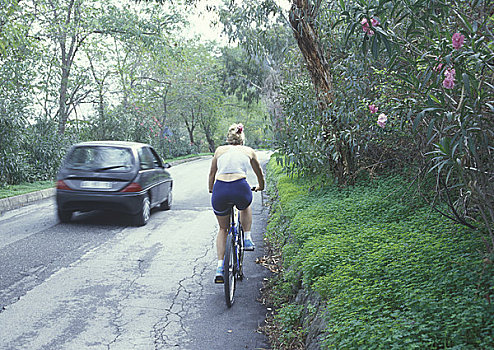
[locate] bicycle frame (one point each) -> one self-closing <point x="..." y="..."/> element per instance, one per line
<point x="233" y="260"/>
<point x="238" y="242"/>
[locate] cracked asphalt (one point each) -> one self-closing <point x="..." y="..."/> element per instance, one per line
<point x="98" y="283"/>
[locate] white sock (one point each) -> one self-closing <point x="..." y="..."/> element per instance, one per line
<point x="220" y="263"/>
<point x="248" y="235"/>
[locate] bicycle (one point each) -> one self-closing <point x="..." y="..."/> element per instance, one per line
<point x="234" y="255"/>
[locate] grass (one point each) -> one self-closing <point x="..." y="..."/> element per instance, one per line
<point x="27" y="187"/>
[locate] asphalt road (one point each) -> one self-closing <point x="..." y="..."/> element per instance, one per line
<point x="98" y="283"/>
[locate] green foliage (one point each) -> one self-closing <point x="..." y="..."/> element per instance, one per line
<point x="13" y="42"/>
<point x="117" y="73"/>
<point x="44" y="148"/>
<point x="14" y="99"/>
<point x="289" y="320"/>
<point x="448" y="117"/>
<point x="242" y="76"/>
<point x="258" y="28"/>
<point x="392" y="273"/>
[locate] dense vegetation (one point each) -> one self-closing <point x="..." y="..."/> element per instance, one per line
<point x="391" y="272"/>
<point x="413" y="86"/>
<point x="98" y="69"/>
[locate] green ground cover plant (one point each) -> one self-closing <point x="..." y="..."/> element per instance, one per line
<point x="26" y="187"/>
<point x="392" y="273"/>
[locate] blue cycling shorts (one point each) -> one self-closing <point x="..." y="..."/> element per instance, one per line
<point x="226" y="194"/>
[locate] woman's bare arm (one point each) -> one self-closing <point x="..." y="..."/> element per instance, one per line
<point x="212" y="174"/>
<point x="256" y="166"/>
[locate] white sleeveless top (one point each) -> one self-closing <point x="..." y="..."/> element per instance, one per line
<point x="233" y="161"/>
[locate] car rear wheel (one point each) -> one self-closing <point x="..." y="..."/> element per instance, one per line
<point x="141" y="218"/>
<point x="64" y="215"/>
<point x="167" y="204"/>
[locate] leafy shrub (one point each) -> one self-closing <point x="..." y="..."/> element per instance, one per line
<point x="44" y="148"/>
<point x="290" y="320"/>
<point x="411" y="85"/>
<point x="393" y="274"/>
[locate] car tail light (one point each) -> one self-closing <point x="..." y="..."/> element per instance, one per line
<point x="133" y="187"/>
<point x="61" y="185"/>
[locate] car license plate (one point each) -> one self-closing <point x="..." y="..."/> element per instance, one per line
<point x="96" y="184"/>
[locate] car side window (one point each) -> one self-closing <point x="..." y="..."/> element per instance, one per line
<point x="156" y="159"/>
<point x="146" y="158"/>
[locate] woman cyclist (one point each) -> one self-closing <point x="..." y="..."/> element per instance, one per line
<point x="228" y="184"/>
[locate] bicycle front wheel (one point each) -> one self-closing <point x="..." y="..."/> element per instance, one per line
<point x="229" y="270"/>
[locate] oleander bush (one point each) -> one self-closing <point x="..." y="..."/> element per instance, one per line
<point x="392" y="273"/>
<point x="412" y="86"/>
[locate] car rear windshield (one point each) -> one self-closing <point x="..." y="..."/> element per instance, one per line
<point x="100" y="158"/>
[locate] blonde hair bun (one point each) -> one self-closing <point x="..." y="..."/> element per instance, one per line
<point x="236" y="134"/>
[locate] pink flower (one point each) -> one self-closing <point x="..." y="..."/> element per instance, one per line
<point x="373" y="109"/>
<point x="449" y="80"/>
<point x="439" y="66"/>
<point x="381" y="120"/>
<point x="458" y="40"/>
<point x="375" y="22"/>
<point x="366" y="27"/>
<point x="448" y="83"/>
<point x="450" y="73"/>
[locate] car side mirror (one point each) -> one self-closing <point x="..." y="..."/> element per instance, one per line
<point x="167" y="165"/>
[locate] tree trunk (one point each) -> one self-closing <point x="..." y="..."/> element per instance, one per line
<point x="62" y="99"/>
<point x="302" y="17"/>
<point x="191" y="136"/>
<point x="209" y="137"/>
<point x="101" y="111"/>
<point x="68" y="39"/>
<point x="190" y="127"/>
<point x="212" y="146"/>
<point x="101" y="99"/>
<point x="163" y="121"/>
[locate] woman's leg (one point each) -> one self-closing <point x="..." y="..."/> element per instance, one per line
<point x="224" y="222"/>
<point x="246" y="218"/>
<point x="246" y="221"/>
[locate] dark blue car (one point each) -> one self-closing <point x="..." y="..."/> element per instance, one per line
<point x="127" y="177"/>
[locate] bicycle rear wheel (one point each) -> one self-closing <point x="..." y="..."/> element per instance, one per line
<point x="229" y="270"/>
